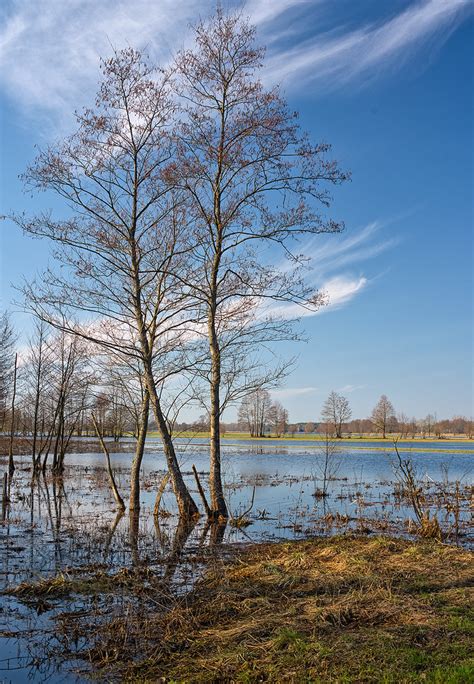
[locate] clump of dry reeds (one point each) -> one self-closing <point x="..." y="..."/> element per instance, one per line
<point x="97" y="581"/>
<point x="427" y="526"/>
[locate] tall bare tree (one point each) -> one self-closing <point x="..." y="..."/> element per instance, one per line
<point x="37" y="362"/>
<point x="383" y="415"/>
<point x="252" y="179"/>
<point x="336" y="411"/>
<point x="69" y="380"/>
<point x="37" y="389"/>
<point x="11" y="462"/>
<point x="7" y="342"/>
<point x="123" y="240"/>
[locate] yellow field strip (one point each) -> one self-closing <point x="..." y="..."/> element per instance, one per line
<point x="388" y="448"/>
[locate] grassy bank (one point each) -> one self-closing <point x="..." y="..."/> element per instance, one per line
<point x="300" y="437"/>
<point x="345" y="609"/>
<point x="232" y="439"/>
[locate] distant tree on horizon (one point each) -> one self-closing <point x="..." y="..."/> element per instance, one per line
<point x="336" y="411"/>
<point x="383" y="415"/>
<point x="257" y="412"/>
<point x="253" y="412"/>
<point x="278" y="419"/>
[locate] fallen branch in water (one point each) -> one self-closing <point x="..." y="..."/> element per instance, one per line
<point x="113" y="484"/>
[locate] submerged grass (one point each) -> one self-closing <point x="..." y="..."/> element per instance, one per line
<point x="85" y="581"/>
<point x="345" y="609"/>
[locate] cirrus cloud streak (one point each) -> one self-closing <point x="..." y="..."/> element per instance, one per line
<point x="50" y="50"/>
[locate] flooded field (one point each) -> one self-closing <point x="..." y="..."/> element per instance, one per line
<point x="69" y="530"/>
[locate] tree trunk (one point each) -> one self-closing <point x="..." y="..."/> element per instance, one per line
<point x="218" y="505"/>
<point x="186" y="505"/>
<point x="37" y="399"/>
<point x="134" y="528"/>
<point x="11" y="464"/>
<point x="202" y="493"/>
<point x="138" y="457"/>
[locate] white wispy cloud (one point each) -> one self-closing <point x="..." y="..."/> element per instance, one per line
<point x="357" y="246"/>
<point x="339" y="56"/>
<point x="49" y="49"/>
<point x="332" y="264"/>
<point x="342" y="289"/>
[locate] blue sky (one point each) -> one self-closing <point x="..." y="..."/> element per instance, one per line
<point x="389" y="83"/>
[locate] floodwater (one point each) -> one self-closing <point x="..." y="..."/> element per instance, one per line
<point x="71" y="527"/>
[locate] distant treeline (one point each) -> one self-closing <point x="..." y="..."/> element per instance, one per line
<point x="359" y="427"/>
<point x="260" y="416"/>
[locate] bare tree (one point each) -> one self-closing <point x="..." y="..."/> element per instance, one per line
<point x="254" y="412"/>
<point x="69" y="380"/>
<point x="336" y="411"/>
<point x="327" y="465"/>
<point x="11" y="463"/>
<point x="126" y="237"/>
<point x="36" y="388"/>
<point x="278" y="419"/>
<point x="383" y="415"/>
<point x="403" y="424"/>
<point x="428" y="423"/>
<point x="7" y="342"/>
<point x="251" y="179"/>
<point x="37" y="360"/>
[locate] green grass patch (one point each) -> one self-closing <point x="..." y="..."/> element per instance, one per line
<point x="296" y="440"/>
<point x="302" y="437"/>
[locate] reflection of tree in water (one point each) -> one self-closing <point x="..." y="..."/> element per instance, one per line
<point x="70" y="624"/>
<point x="110" y="535"/>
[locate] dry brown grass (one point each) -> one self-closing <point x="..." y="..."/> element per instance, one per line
<point x="345" y="609"/>
<point x="87" y="581"/>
